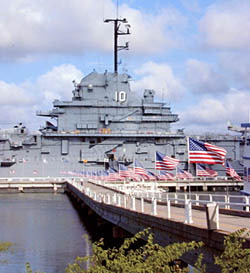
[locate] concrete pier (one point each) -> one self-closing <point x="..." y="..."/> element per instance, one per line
<point x="167" y="227"/>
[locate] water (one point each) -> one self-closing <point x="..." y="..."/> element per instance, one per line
<point x="45" y="230"/>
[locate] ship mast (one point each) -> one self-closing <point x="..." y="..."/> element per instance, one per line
<point x="117" y="23"/>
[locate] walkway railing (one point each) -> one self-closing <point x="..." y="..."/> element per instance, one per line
<point x="150" y="206"/>
<point x="224" y="201"/>
<point x="153" y="202"/>
<point x="227" y="201"/>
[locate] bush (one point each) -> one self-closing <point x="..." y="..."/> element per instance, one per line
<point x="150" y="257"/>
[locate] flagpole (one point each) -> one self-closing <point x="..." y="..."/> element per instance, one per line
<point x="155" y="164"/>
<point x="189" y="186"/>
<point x="134" y="169"/>
<point x="188" y="153"/>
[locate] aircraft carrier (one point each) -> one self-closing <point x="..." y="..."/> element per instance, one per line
<point x="104" y="124"/>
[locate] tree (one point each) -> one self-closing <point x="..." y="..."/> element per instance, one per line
<point x="235" y="258"/>
<point x="5" y="246"/>
<point x="149" y="257"/>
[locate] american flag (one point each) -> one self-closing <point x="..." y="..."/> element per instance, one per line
<point x="202" y="171"/>
<point x="104" y="175"/>
<point x="124" y="171"/>
<point x="230" y="171"/>
<point x="152" y="176"/>
<point x="212" y="173"/>
<point x="165" y="176"/>
<point x="181" y="174"/>
<point x="140" y="170"/>
<point x="113" y="175"/>
<point x="94" y="175"/>
<point x="134" y="176"/>
<point x="164" y="162"/>
<point x="99" y="174"/>
<point x="246" y="174"/>
<point x="201" y="152"/>
<point x="89" y="174"/>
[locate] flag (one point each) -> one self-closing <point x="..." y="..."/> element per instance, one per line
<point x="201" y="152"/>
<point x="246" y="174"/>
<point x="181" y="174"/>
<point x="212" y="173"/>
<point x="138" y="168"/>
<point x="124" y="171"/>
<point x="165" y="176"/>
<point x="202" y="171"/>
<point x="152" y="176"/>
<point x="134" y="176"/>
<point x="113" y="175"/>
<point x="89" y="174"/>
<point x="104" y="175"/>
<point x="99" y="174"/>
<point x="230" y="171"/>
<point x="164" y="162"/>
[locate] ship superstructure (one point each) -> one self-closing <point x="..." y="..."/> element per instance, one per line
<point x="104" y="123"/>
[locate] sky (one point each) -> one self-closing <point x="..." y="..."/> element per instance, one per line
<point x="195" y="54"/>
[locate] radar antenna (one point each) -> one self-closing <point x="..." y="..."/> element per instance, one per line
<point x="117" y="32"/>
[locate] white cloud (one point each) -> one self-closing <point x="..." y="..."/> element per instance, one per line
<point x="57" y="83"/>
<point x="19" y="103"/>
<point x="159" y="77"/>
<point x="13" y="95"/>
<point x="76" y="27"/>
<point x="226" y="25"/>
<point x="212" y="114"/>
<point x="237" y="65"/>
<point x="202" y="78"/>
<point x="48" y="27"/>
<point x="154" y="33"/>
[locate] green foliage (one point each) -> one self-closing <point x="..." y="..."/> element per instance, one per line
<point x="235" y="258"/>
<point x="199" y="267"/>
<point x="29" y="270"/>
<point x="150" y="257"/>
<point x="5" y="246"/>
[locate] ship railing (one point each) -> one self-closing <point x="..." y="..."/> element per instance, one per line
<point x="32" y="179"/>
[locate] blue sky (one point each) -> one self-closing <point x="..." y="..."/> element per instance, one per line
<point x="194" y="53"/>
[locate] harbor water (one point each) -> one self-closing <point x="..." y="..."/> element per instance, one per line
<point x="45" y="230"/>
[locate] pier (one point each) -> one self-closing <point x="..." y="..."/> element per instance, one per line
<point x="172" y="216"/>
<point x="171" y="220"/>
